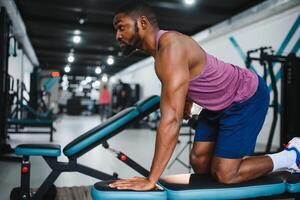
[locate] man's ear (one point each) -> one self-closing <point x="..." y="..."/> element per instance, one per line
<point x="144" y="22"/>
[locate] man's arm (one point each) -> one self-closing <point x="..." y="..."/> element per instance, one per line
<point x="172" y="70"/>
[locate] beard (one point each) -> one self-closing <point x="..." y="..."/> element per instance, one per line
<point x="128" y="50"/>
<point x="131" y="48"/>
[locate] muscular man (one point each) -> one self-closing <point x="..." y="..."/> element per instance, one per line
<point x="235" y="102"/>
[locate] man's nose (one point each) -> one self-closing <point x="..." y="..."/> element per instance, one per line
<point x="118" y="36"/>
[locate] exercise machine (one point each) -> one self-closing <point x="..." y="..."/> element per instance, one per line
<point x="290" y="85"/>
<point x="18" y="119"/>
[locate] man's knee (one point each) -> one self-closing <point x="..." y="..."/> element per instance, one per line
<point x="224" y="176"/>
<point x="200" y="162"/>
<point x="224" y="173"/>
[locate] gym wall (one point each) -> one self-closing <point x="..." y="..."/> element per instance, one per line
<point x="263" y="25"/>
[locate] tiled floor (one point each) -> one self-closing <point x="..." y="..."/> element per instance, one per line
<point x="136" y="143"/>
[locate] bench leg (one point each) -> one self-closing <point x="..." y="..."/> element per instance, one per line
<point x="25" y="178"/>
<point x="51" y="133"/>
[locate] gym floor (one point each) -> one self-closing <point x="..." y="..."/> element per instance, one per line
<point x="136" y="143"/>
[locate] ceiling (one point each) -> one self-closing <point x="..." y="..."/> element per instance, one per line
<point x="51" y="24"/>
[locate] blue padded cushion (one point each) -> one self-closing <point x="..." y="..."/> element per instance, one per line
<point x="148" y="105"/>
<point x="105" y="129"/>
<point x="196" y="186"/>
<point x="293" y="183"/>
<point x="50" y="150"/>
<point x="101" y="191"/>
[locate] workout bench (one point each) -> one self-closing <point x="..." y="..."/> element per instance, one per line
<point x="78" y="147"/>
<point x="204" y="187"/>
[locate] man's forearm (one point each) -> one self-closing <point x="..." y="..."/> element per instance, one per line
<point x="166" y="141"/>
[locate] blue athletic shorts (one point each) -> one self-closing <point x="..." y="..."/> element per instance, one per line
<point x="235" y="129"/>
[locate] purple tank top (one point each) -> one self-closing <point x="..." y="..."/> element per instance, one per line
<point x="220" y="84"/>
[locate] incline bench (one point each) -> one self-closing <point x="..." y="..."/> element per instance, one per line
<point x="78" y="147"/>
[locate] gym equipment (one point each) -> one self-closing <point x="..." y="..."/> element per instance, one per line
<point x="203" y="186"/>
<point x="5" y="81"/>
<point x="264" y="62"/>
<point x="289" y="91"/>
<point x="17" y="120"/>
<point x="78" y="147"/>
<point x="15" y="124"/>
<point x="38" y="95"/>
<point x="44" y="113"/>
<point x="290" y="98"/>
<point x="124" y="95"/>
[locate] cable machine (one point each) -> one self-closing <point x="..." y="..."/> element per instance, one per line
<point x="267" y="59"/>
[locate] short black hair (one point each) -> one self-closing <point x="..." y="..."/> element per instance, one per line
<point x="137" y="8"/>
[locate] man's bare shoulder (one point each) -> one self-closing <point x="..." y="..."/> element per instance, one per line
<point x="171" y="57"/>
<point x="170" y="38"/>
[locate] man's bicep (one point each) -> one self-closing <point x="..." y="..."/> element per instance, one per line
<point x="173" y="94"/>
<point x="172" y="70"/>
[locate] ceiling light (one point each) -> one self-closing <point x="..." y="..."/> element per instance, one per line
<point x="96" y="84"/>
<point x="104" y="78"/>
<point x="189" y="2"/>
<point x="83" y="82"/>
<point x="77" y="32"/>
<point x="81" y="21"/>
<point x="110" y="60"/>
<point x="67" y="69"/>
<point x="76" y="39"/>
<point x="98" y="70"/>
<point x="88" y="79"/>
<point x="71" y="58"/>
